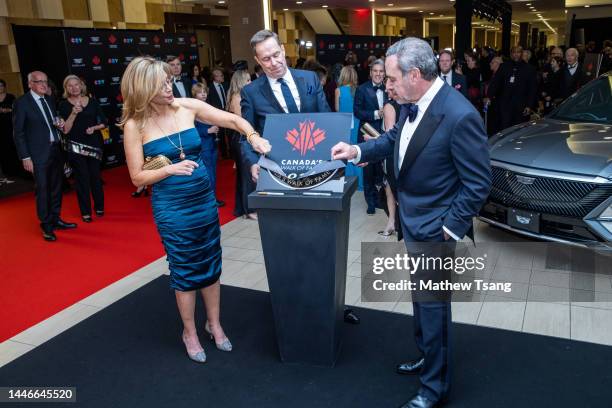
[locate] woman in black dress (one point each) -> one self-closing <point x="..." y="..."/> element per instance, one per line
<point x="9" y="161"/>
<point x="84" y="119"/>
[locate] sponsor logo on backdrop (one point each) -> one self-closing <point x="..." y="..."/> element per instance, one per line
<point x="76" y="40"/>
<point x="128" y="40"/>
<point x="180" y="40"/>
<point x="306" y="138"/>
<point x="77" y="62"/>
<point x="156" y="39"/>
<point x="128" y="59"/>
<point x="99" y="82"/>
<point x="113" y="60"/>
<point x="96" y="61"/>
<point x="143" y="41"/>
<point x="104" y="102"/>
<point x="112" y="41"/>
<point x="193" y="57"/>
<point x="169" y="40"/>
<point x="95" y="40"/>
<point x="181" y="57"/>
<point x="115" y="80"/>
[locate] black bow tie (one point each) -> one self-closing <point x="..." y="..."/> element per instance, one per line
<point x="572" y="66"/>
<point x="378" y="88"/>
<point x="413" y="111"/>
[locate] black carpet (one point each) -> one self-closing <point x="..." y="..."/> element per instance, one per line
<point x="130" y="355"/>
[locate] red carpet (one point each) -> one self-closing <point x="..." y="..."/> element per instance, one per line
<point x="40" y="278"/>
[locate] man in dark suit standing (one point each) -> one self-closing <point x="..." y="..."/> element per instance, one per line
<point x="572" y="76"/>
<point x="453" y="79"/>
<point x="515" y="87"/>
<point x="217" y="97"/>
<point x="443" y="177"/>
<point x="370" y="97"/>
<point x="38" y="145"/>
<point x="181" y="86"/>
<point x="279" y="90"/>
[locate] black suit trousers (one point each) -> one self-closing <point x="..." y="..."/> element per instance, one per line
<point x="88" y="182"/>
<point x="48" y="187"/>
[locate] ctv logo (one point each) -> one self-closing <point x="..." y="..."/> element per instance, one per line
<point x="307" y="137"/>
<point x="128" y="40"/>
<point x="169" y="40"/>
<point x="76" y="40"/>
<point x="113" y="60"/>
<point x="193" y="57"/>
<point x="99" y="82"/>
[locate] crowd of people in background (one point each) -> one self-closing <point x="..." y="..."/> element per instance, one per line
<point x="506" y="91"/>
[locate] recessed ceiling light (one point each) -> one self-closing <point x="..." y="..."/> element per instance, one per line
<point x="528" y="4"/>
<point x="431" y="14"/>
<point x="441" y="15"/>
<point x="587" y="6"/>
<point x="298" y="2"/>
<point x="221" y="2"/>
<point x="371" y="1"/>
<point x="390" y="4"/>
<point x="285" y="9"/>
<point x="420" y="11"/>
<point x="324" y="6"/>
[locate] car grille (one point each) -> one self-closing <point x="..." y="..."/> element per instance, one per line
<point x="547" y="195"/>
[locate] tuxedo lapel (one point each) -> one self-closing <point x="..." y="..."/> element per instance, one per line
<point x="301" y="87"/>
<point x="425" y="130"/>
<point x="266" y="90"/>
<point x="400" y="125"/>
<point x="35" y="108"/>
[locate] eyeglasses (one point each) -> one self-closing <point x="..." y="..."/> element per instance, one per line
<point x="41" y="81"/>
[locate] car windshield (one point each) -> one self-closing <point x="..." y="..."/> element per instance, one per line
<point x="593" y="103"/>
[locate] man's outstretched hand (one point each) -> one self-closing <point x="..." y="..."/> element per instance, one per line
<point x="343" y="151"/>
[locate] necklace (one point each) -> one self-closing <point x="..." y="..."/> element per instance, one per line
<point x="180" y="146"/>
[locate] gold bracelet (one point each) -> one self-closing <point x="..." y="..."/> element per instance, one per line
<point x="250" y="136"/>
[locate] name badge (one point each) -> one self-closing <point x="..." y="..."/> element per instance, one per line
<point x="512" y="79"/>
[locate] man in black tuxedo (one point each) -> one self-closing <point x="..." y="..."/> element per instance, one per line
<point x="38" y="145"/>
<point x="515" y="86"/>
<point x="217" y="97"/>
<point x="181" y="86"/>
<point x="573" y="76"/>
<point x="454" y="79"/>
<point x="370" y="98"/>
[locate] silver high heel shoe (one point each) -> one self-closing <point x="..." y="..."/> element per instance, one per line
<point x="199" y="357"/>
<point x="225" y="346"/>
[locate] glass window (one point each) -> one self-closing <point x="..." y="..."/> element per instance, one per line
<point x="593" y="103"/>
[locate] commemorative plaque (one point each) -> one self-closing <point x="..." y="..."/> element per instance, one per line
<point x="301" y="149"/>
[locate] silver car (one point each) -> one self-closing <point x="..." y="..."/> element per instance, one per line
<point x="552" y="178"/>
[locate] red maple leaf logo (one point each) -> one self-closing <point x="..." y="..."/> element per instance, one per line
<point x="193" y="39"/>
<point x="96" y="60"/>
<point x="112" y="39"/>
<point x="307" y="138"/>
<point x="156" y="40"/>
<point x="181" y="57"/>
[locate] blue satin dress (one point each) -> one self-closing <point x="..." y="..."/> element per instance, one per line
<point x="185" y="212"/>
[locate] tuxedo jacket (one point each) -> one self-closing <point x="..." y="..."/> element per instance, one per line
<point x="445" y="176"/>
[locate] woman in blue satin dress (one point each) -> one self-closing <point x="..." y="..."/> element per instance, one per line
<point x="184" y="206"/>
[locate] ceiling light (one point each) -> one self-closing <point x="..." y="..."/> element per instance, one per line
<point x="441" y="15"/>
<point x="528" y="4"/>
<point x="298" y="2"/>
<point x="420" y="11"/>
<point x="431" y="14"/>
<point x="324" y="6"/>
<point x="587" y="6"/>
<point x="221" y="2"/>
<point x="390" y="4"/>
<point x="371" y="1"/>
<point x="285" y="9"/>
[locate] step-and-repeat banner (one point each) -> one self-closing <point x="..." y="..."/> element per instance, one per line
<point x="99" y="57"/>
<point x="332" y="49"/>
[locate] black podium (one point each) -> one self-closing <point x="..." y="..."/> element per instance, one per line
<point x="305" y="244"/>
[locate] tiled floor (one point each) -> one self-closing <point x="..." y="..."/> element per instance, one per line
<point x="523" y="310"/>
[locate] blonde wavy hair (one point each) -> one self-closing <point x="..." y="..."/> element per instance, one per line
<point x="348" y="76"/>
<point x="239" y="80"/>
<point x="65" y="85"/>
<point x="142" y="80"/>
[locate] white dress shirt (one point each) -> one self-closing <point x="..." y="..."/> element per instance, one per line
<point x="380" y="98"/>
<point x="449" y="77"/>
<point x="180" y="87"/>
<point x="278" y="93"/>
<point x="39" y="103"/>
<point x="410" y="127"/>
<point x="572" y="69"/>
